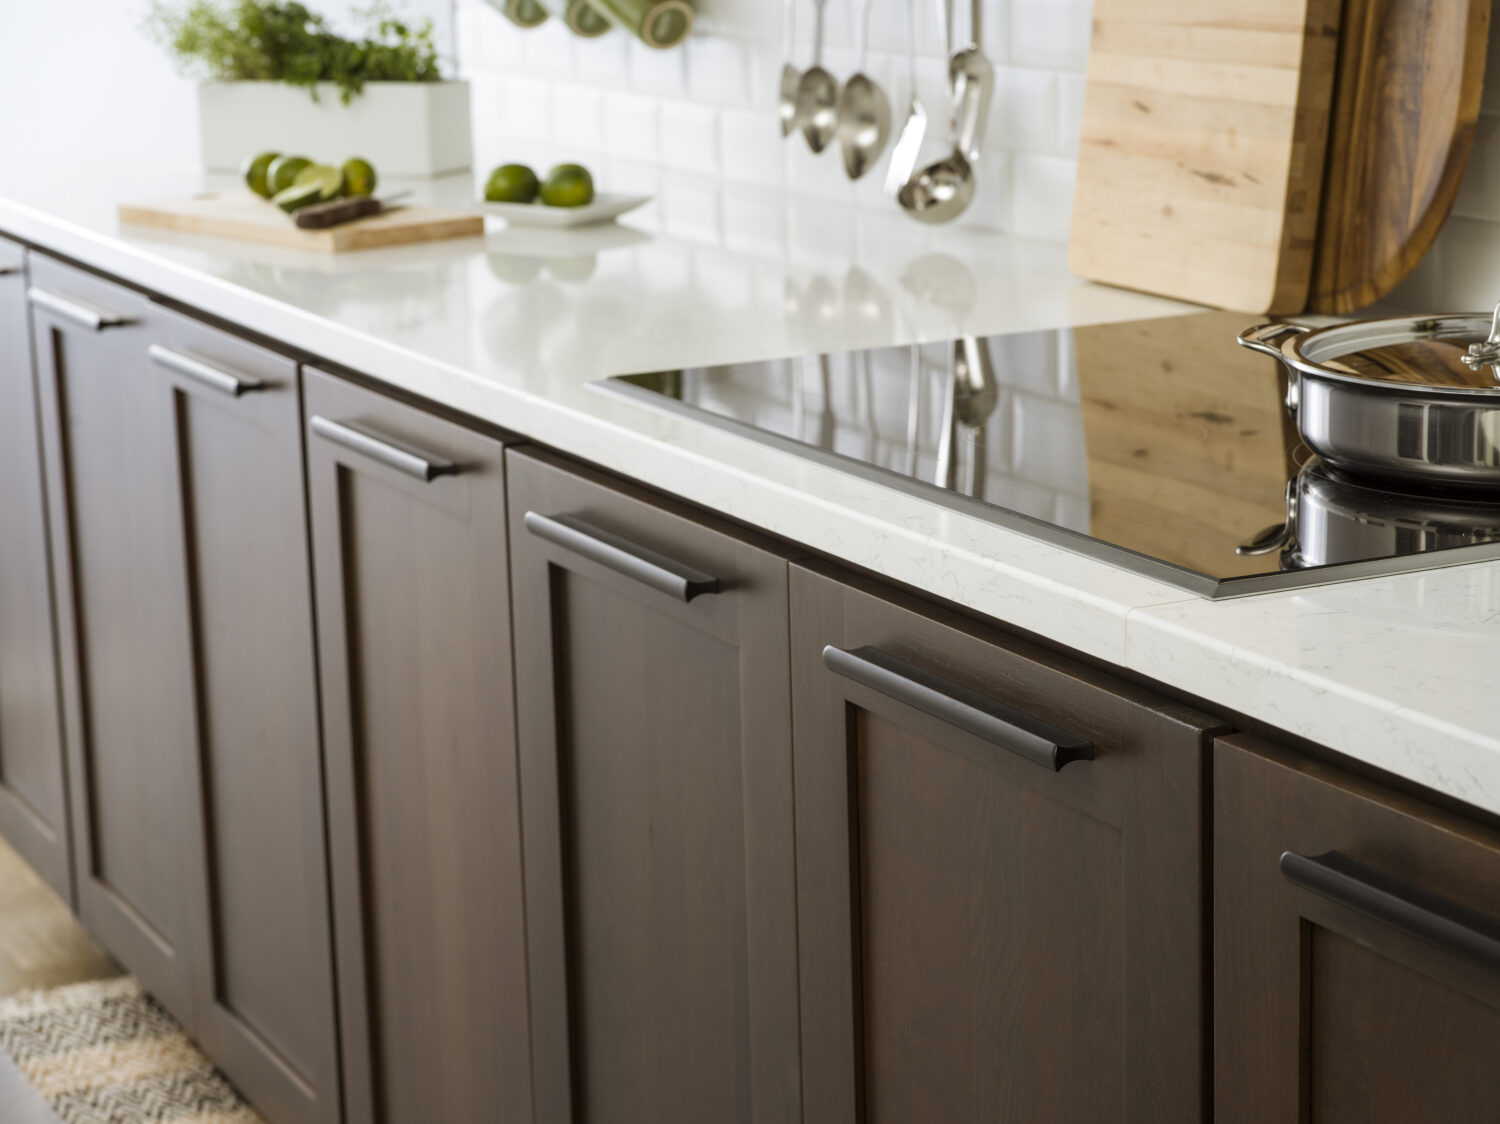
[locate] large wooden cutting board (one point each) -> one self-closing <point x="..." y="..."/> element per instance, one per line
<point x="239" y="214"/>
<point x="1202" y="148"/>
<point x="1406" y="103"/>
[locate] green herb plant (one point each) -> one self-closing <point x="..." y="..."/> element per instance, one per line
<point x="264" y="40"/>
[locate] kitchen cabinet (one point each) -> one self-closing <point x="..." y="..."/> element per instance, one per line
<point x="1000" y="874"/>
<point x="185" y="610"/>
<point x="654" y="718"/>
<point x="409" y="546"/>
<point x="260" y="943"/>
<point x="33" y="793"/>
<point x="1357" y="948"/>
<point x="115" y="523"/>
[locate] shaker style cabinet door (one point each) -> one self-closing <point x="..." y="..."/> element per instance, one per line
<point x="419" y="730"/>
<point x="1356" y="948"/>
<point x="127" y="666"/>
<point x="33" y="793"/>
<point x="1000" y="875"/>
<point x="259" y="926"/>
<point x="654" y="719"/>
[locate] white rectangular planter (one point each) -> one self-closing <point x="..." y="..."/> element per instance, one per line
<point x="403" y="128"/>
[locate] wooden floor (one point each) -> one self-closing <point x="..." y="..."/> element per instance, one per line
<point x="41" y="945"/>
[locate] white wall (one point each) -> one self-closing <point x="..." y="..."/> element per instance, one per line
<point x="697" y="126"/>
<point x="111" y="93"/>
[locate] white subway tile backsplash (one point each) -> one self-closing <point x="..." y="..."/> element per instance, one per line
<point x="1070" y="88"/>
<point x="631" y="127"/>
<point x="1051" y="33"/>
<point x="751" y="148"/>
<point x="1043" y="196"/>
<point x="690" y="136"/>
<point x="578" y="117"/>
<point x="720" y="72"/>
<point x="1023" y="116"/>
<point x="528" y="108"/>
<point x="706" y="113"/>
<point x="658" y="72"/>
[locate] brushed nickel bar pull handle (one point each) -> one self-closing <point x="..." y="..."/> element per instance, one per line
<point x="206" y="373"/>
<point x="622" y="556"/>
<point x="1038" y="742"/>
<point x="385" y="450"/>
<point x="1418" y="913"/>
<point x="82" y="313"/>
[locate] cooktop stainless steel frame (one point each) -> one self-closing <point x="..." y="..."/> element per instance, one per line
<point x="1192" y="581"/>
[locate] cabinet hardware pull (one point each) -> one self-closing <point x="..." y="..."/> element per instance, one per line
<point x="205" y="373"/>
<point x="622" y="556"/>
<point x="1038" y="742"/>
<point x="82" y="313"/>
<point x="389" y="452"/>
<point x="6" y="269"/>
<point x="1414" y="911"/>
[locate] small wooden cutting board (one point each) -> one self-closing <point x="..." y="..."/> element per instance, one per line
<point x="239" y="214"/>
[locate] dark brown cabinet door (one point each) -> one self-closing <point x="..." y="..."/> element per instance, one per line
<point x="33" y="794"/>
<point x="259" y="925"/>
<point x="115" y="527"/>
<point x="414" y="626"/>
<point x="1000" y="875"/>
<point x="654" y="718"/>
<point x="1357" y="949"/>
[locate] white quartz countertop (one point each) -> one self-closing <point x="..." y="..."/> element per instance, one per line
<point x="512" y="327"/>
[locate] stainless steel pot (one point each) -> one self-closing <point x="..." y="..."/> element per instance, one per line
<point x="1332" y="519"/>
<point x="1415" y="401"/>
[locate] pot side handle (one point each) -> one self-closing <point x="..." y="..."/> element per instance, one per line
<point x="1267" y="338"/>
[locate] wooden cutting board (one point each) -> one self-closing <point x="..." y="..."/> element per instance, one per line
<point x="1202" y="148"/>
<point x="1406" y="102"/>
<point x="239" y="214"/>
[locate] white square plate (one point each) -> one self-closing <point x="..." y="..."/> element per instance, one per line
<point x="604" y="208"/>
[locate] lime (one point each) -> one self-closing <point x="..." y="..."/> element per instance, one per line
<point x="297" y="196"/>
<point x="283" y="172"/>
<point x="568" y="185"/>
<point x="325" y="177"/>
<point x="254" y="170"/>
<point x="359" y="176"/>
<point x="511" y="183"/>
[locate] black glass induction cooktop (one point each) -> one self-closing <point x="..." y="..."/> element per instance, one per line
<point x="1158" y="445"/>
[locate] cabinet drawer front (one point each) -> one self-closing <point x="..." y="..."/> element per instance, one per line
<point x="654" y="719"/>
<point x="990" y="929"/>
<point x="419" y="731"/>
<point x="1356" y="936"/>
<point x="33" y="812"/>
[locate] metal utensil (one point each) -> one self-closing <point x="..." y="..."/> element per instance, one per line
<point x="909" y="143"/>
<point x="944" y="189"/>
<point x="864" y="111"/>
<point x="791" y="77"/>
<point x="818" y="93"/>
<point x="971" y="78"/>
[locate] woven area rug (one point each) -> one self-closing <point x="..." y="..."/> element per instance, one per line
<point x="107" y="1053"/>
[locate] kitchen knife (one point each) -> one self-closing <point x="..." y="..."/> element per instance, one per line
<point x="321" y="216"/>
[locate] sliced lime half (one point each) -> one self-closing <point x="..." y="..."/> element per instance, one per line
<point x="325" y="177"/>
<point x="297" y="196"/>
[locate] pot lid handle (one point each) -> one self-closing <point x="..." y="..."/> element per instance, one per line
<point x="1488" y="352"/>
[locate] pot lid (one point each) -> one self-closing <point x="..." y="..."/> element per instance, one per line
<point x="1454" y="355"/>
